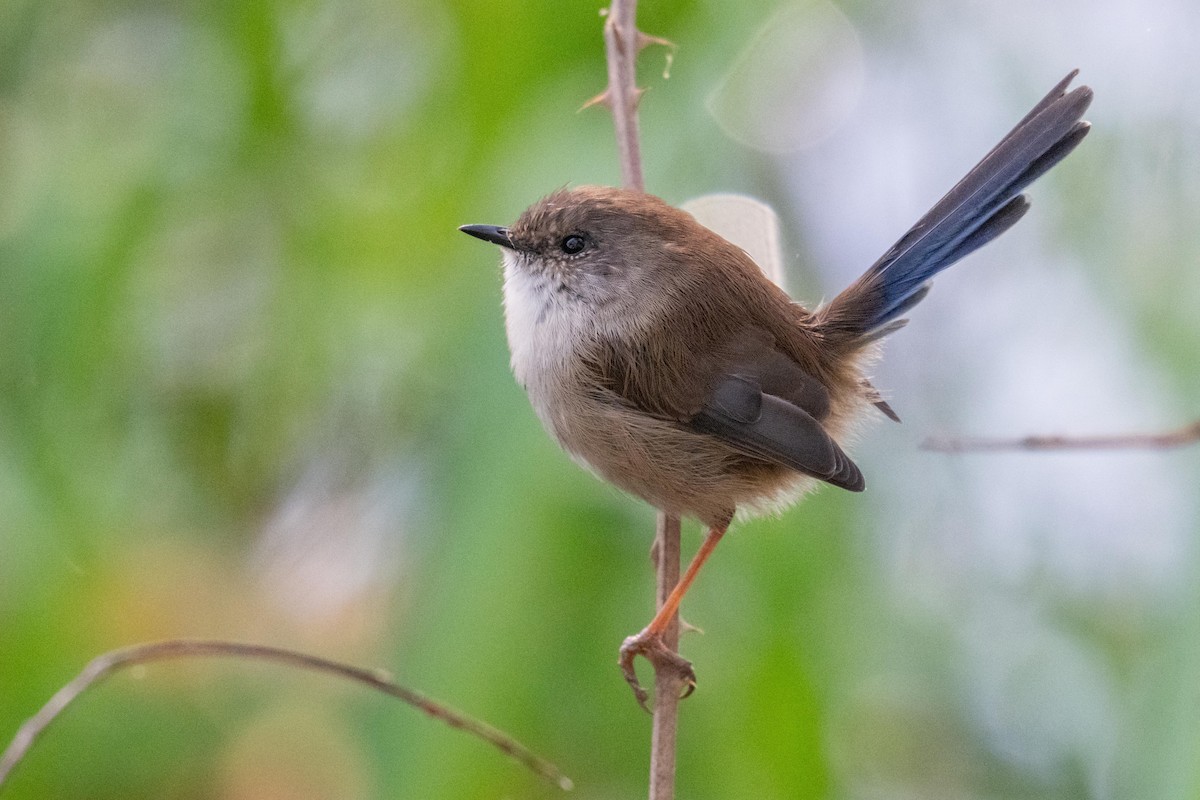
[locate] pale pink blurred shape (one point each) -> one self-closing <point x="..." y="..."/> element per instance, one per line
<point x="331" y="549"/>
<point x="750" y="224"/>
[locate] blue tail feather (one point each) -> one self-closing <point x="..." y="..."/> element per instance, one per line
<point x="984" y="204"/>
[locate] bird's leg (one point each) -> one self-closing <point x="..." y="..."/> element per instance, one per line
<point x="655" y="555"/>
<point x="649" y="642"/>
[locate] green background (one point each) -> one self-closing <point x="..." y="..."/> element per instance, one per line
<point x="254" y="385"/>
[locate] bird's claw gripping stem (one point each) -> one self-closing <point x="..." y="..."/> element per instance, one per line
<point x="650" y="645"/>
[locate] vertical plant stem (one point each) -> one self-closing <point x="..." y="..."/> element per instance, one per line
<point x="667" y="685"/>
<point x="622" y="42"/>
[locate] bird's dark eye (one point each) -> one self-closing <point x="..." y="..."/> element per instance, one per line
<point x="573" y="244"/>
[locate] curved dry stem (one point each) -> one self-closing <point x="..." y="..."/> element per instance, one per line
<point x="1188" y="434"/>
<point x="105" y="665"/>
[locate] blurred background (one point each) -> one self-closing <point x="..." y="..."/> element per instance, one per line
<point x="254" y="385"/>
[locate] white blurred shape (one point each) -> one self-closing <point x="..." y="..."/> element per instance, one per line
<point x="1013" y="557"/>
<point x="1013" y="341"/>
<point x="327" y="548"/>
<point x="750" y="224"/>
<point x="795" y="83"/>
<point x="1044" y="700"/>
<point x="1028" y="348"/>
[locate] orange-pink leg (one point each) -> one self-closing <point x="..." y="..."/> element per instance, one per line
<point x="649" y="642"/>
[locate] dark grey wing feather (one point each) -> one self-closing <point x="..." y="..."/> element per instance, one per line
<point x="754" y="355"/>
<point x="770" y="428"/>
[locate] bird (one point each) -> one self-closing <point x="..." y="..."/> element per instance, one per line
<point x="661" y="358"/>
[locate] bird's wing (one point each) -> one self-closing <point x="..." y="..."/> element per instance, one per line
<point x="744" y="391"/>
<point x="766" y="426"/>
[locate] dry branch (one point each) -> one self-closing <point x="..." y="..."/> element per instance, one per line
<point x="667" y="682"/>
<point x="622" y="43"/>
<point x="105" y="665"/>
<point x="1188" y="434"/>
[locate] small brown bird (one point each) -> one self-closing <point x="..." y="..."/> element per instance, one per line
<point x="659" y="355"/>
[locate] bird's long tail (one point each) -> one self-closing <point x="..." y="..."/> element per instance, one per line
<point x="984" y="204"/>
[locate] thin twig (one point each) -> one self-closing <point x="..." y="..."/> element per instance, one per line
<point x="1188" y="434"/>
<point x="667" y="683"/>
<point x="622" y="43"/>
<point x="621" y="46"/>
<point x="104" y="665"/>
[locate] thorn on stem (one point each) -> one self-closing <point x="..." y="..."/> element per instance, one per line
<point x="645" y="40"/>
<point x="602" y="99"/>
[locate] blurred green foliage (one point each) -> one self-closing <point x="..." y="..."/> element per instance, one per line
<point x="254" y="385"/>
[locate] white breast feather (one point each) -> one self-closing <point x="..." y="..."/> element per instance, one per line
<point x="538" y="337"/>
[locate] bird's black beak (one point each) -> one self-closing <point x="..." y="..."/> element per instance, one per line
<point x="489" y="233"/>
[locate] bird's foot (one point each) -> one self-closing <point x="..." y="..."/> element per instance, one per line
<point x="651" y="646"/>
